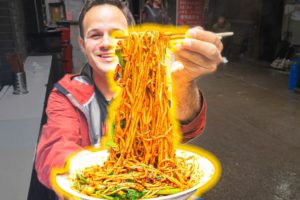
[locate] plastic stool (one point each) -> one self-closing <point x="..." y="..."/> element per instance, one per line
<point x="294" y="75"/>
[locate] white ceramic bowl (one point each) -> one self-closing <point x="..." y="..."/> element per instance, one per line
<point x="83" y="160"/>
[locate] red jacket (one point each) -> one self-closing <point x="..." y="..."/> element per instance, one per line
<point x="73" y="123"/>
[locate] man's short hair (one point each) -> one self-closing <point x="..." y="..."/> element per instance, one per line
<point x="92" y="3"/>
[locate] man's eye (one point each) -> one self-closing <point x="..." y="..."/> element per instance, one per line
<point x="95" y="36"/>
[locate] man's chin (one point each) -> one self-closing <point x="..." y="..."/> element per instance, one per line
<point x="107" y="67"/>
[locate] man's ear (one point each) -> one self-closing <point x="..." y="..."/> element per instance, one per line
<point x="82" y="45"/>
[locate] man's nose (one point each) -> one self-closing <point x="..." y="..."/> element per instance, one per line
<point x="107" y="41"/>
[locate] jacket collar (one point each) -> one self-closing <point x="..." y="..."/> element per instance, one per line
<point x="81" y="85"/>
<point x="87" y="71"/>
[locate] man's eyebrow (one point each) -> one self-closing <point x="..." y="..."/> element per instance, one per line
<point x="117" y="29"/>
<point x="92" y="30"/>
<point x="111" y="31"/>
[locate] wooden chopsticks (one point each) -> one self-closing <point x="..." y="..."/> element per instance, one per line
<point x="225" y="34"/>
<point x="179" y="36"/>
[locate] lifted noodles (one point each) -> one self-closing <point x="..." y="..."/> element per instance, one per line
<point x="142" y="161"/>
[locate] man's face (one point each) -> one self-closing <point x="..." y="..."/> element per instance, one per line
<point x="158" y="2"/>
<point x="221" y="20"/>
<point x="97" y="44"/>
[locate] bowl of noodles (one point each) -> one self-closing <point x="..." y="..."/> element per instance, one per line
<point x="206" y="172"/>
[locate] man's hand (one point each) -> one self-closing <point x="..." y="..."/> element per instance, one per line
<point x="199" y="54"/>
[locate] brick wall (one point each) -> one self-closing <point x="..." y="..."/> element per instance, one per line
<point x="6" y="41"/>
<point x="73" y="8"/>
<point x="12" y="35"/>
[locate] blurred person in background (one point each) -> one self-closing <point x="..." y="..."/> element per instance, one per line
<point x="154" y="12"/>
<point x="222" y="25"/>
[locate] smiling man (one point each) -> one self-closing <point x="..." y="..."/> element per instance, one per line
<point x="97" y="25"/>
<point x="77" y="106"/>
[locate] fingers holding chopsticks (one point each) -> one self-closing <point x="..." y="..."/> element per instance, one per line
<point x="199" y="53"/>
<point x="206" y="49"/>
<point x="199" y="33"/>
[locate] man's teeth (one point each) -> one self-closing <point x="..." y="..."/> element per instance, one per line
<point x="106" y="56"/>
